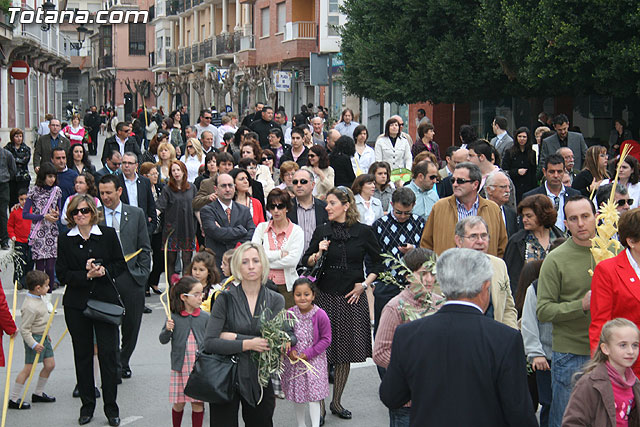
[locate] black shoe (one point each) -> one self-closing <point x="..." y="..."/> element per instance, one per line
<point x="321" y="420"/>
<point x="156" y="291"/>
<point x="126" y="373"/>
<point x="16" y="405"/>
<point x="147" y="310"/>
<point x="84" y="419"/>
<point x="343" y="413"/>
<point x="114" y="421"/>
<point x="147" y="293"/>
<point x="97" y="393"/>
<point x="76" y="392"/>
<point x="44" y="398"/>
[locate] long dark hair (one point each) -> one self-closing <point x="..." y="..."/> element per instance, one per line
<point x="528" y="275"/>
<point x="46" y="168"/>
<point x="323" y="157"/>
<point x="528" y="147"/>
<point x="182" y="286"/>
<point x="208" y="258"/>
<point x="85" y="157"/>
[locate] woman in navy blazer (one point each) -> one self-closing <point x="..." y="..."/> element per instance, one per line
<point x="615" y="287"/>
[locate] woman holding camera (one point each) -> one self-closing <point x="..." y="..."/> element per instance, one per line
<point x="89" y="256"/>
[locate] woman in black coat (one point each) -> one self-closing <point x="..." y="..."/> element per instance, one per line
<point x="520" y="162"/>
<point x="342" y="285"/>
<point x="340" y="161"/>
<point x="90" y="255"/>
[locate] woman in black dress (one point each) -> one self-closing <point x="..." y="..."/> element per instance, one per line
<point x="22" y="155"/>
<point x="520" y="162"/>
<point x="85" y="255"/>
<point x="342" y="284"/>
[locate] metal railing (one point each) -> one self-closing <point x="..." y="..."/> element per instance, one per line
<point x="195" y="53"/>
<point x="301" y="30"/>
<point x="105" y="62"/>
<point x="227" y="43"/>
<point x="207" y="49"/>
<point x="172" y="60"/>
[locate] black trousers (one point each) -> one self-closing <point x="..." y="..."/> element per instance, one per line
<point x="157" y="257"/>
<point x="14" y="187"/>
<point x="132" y="295"/>
<point x="258" y="416"/>
<point x="4" y="211"/>
<point x="81" y="329"/>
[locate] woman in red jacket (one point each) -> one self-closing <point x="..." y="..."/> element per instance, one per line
<point x="615" y="287"/>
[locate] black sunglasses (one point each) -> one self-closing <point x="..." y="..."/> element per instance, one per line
<point x="433" y="177"/>
<point x="279" y="206"/>
<point x="622" y="202"/>
<point x="461" y="181"/>
<point x="302" y="182"/>
<point x="83" y="211"/>
<point x="264" y="159"/>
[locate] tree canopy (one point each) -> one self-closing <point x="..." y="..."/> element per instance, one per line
<point x="451" y="51"/>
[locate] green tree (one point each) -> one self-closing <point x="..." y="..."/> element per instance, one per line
<point x="417" y="50"/>
<point x="446" y="51"/>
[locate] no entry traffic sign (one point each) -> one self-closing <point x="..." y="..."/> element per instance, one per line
<point x="19" y="70"/>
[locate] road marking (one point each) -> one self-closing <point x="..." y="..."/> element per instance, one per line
<point x="131" y="419"/>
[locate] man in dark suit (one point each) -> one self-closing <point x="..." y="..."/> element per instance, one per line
<point x="502" y="141"/>
<point x="121" y="142"/>
<point x="130" y="223"/>
<point x="225" y="223"/>
<point x="563" y="138"/>
<point x="92" y="122"/>
<point x="459" y="367"/>
<point x="46" y="143"/>
<point x="136" y="189"/>
<point x="251" y="117"/>
<point x="111" y="166"/>
<point x="498" y="189"/>
<point x="308" y="212"/>
<point x="553" y="171"/>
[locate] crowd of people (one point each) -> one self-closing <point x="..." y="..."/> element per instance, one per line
<point x="454" y="279"/>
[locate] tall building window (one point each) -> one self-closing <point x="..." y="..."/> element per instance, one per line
<point x="264" y="15"/>
<point x="333" y="17"/>
<point x="137" y="39"/>
<point x="282" y="16"/>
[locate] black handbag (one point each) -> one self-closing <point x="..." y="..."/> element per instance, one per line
<point x="105" y="311"/>
<point x="213" y="378"/>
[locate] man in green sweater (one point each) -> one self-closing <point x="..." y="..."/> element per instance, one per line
<point x="564" y="295"/>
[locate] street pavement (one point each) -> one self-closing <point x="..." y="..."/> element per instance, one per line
<point x="144" y="399"/>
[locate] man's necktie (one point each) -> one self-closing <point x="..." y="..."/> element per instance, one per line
<point x="228" y="211"/>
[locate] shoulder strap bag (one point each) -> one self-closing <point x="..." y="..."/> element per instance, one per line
<point x="214" y="377"/>
<point x="102" y="311"/>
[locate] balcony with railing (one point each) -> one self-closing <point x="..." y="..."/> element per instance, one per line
<point x="227" y="43"/>
<point x="301" y="30"/>
<point x="105" y="62"/>
<point x="195" y="53"/>
<point x="121" y="4"/>
<point x="172" y="60"/>
<point x="207" y="49"/>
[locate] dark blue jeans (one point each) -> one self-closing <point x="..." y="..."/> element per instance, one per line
<point x="399" y="417"/>
<point x="543" y="379"/>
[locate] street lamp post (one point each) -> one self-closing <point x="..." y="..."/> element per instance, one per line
<point x="47" y="6"/>
<point x="82" y="35"/>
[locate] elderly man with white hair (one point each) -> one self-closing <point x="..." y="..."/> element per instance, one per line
<point x="497" y="188"/>
<point x="459" y="367"/>
<point x="472" y="233"/>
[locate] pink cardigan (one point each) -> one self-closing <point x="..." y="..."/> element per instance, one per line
<point x="321" y="334"/>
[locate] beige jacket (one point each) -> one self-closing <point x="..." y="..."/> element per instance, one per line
<point x="504" y="308"/>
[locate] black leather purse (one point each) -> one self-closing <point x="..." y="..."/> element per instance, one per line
<point x="213" y="378"/>
<point x="102" y="311"/>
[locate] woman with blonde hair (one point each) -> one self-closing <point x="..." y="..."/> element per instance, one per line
<point x="193" y="158"/>
<point x="166" y="156"/>
<point x="594" y="171"/>
<point x="233" y="330"/>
